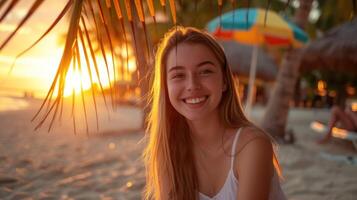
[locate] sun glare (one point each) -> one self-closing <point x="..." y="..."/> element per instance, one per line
<point x="75" y="82"/>
<point x="76" y="79"/>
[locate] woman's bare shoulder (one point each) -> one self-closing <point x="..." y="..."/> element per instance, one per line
<point x="252" y="137"/>
<point x="254" y="154"/>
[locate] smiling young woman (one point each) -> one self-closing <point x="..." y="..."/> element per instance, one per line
<point x="201" y="146"/>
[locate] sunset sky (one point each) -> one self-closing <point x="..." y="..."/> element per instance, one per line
<point x="35" y="70"/>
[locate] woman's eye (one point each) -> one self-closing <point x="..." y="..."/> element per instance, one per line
<point x="206" y="71"/>
<point x="178" y="76"/>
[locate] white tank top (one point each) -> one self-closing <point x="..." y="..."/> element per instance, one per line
<point x="230" y="188"/>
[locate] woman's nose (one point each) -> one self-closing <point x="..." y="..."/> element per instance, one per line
<point x="193" y="83"/>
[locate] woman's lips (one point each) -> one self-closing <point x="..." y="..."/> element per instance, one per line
<point x="195" y="102"/>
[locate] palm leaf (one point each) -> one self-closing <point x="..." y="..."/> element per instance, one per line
<point x="105" y="12"/>
<point x="108" y="3"/>
<point x="128" y="10"/>
<point x="73" y="111"/>
<point x="118" y="9"/>
<point x="94" y="59"/>
<point x="82" y="92"/>
<point x="84" y="49"/>
<point x="55" y="22"/>
<point x="65" y="60"/>
<point x="163" y="5"/>
<point x="173" y="11"/>
<point x="33" y="8"/>
<point x="151" y="9"/>
<point x="8" y="9"/>
<point x="121" y="21"/>
<point x="130" y="19"/>
<point x="140" y="11"/>
<point x="2" y="3"/>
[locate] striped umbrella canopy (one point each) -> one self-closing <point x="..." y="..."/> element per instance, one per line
<point x="257" y="27"/>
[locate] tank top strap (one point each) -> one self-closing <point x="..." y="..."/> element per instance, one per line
<point x="236" y="137"/>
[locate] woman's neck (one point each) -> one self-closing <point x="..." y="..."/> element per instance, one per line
<point x="207" y="131"/>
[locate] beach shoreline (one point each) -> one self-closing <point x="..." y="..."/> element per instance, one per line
<point x="108" y="165"/>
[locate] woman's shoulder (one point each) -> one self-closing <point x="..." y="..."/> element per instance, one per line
<point x="254" y="153"/>
<point x="254" y="139"/>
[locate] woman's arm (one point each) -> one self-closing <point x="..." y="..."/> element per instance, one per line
<point x="255" y="167"/>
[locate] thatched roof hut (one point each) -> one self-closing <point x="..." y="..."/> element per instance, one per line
<point x="239" y="58"/>
<point x="336" y="50"/>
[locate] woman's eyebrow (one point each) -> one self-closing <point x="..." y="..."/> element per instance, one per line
<point x="178" y="67"/>
<point x="205" y="63"/>
<point x="175" y="68"/>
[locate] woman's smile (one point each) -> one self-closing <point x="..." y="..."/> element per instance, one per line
<point x="196" y="102"/>
<point x="194" y="81"/>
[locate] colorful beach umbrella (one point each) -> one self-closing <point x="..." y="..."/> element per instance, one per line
<point x="256" y="27"/>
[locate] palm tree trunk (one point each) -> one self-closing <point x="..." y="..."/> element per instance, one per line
<point x="276" y="114"/>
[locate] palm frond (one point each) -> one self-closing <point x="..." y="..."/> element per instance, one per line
<point x="2" y="3"/>
<point x="150" y="4"/>
<point x="173" y="11"/>
<point x="105" y="12"/>
<point x="64" y="63"/>
<point x="121" y="21"/>
<point x="163" y="5"/>
<point x="108" y="3"/>
<point x="140" y="11"/>
<point x="130" y="19"/>
<point x="84" y="49"/>
<point x="33" y="8"/>
<point x="8" y="9"/>
<point x="55" y="22"/>
<point x="79" y="64"/>
<point x="94" y="59"/>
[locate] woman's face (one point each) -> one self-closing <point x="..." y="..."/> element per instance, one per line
<point x="194" y="81"/>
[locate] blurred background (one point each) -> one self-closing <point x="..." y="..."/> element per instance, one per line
<point x="74" y="77"/>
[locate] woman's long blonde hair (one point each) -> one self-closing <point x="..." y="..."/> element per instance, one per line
<point x="169" y="149"/>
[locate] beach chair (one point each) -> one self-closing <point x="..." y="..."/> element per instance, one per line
<point x="336" y="132"/>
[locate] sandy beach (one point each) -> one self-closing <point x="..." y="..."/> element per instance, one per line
<point x="107" y="164"/>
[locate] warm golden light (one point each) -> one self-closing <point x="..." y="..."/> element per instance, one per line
<point x="132" y="65"/>
<point x="354" y="106"/>
<point x="321" y="87"/>
<point x="75" y="81"/>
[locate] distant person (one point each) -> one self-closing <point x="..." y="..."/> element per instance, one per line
<point x="346" y="119"/>
<point x="201" y="146"/>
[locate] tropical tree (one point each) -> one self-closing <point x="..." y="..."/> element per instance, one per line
<point x="98" y="26"/>
<point x="276" y="114"/>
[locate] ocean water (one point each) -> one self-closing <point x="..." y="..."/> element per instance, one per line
<point x="12" y="103"/>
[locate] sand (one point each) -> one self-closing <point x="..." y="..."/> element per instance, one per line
<point x="107" y="164"/>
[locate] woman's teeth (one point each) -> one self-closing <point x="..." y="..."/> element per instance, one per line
<point x="195" y="100"/>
